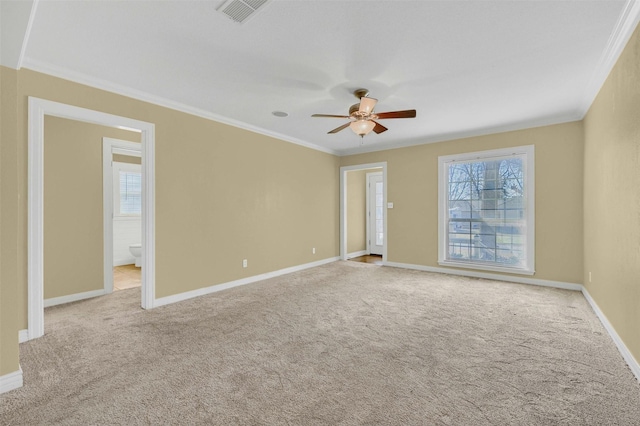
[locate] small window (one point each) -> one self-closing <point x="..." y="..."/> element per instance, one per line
<point x="127" y="189"/>
<point x="486" y="213"/>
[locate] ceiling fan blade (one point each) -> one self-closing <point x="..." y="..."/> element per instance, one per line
<point x="330" y="116"/>
<point x="379" y="128"/>
<point x="409" y="113"/>
<point x="367" y="104"/>
<point x="337" y="129"/>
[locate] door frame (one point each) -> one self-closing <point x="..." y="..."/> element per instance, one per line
<point x="38" y="108"/>
<point x="369" y="211"/>
<point x="111" y="146"/>
<point x="343" y="205"/>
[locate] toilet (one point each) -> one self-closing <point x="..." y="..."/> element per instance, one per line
<point x="136" y="251"/>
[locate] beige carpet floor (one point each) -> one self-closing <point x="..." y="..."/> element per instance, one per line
<point x="343" y="344"/>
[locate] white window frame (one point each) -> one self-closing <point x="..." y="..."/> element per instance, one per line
<point x="529" y="193"/>
<point x="117" y="168"/>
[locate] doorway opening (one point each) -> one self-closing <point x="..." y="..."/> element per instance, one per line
<point x="38" y="109"/>
<point x="122" y="214"/>
<point x="373" y="259"/>
<point x="363" y="219"/>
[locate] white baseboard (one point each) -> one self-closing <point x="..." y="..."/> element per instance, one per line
<point x="11" y="381"/>
<point x="128" y="261"/>
<point x="218" y="287"/>
<point x="73" y="297"/>
<point x="23" y="336"/>
<point x="356" y="254"/>
<point x="624" y="351"/>
<point x="489" y="276"/>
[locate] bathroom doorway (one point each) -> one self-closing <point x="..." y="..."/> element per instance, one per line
<point x="38" y="110"/>
<point x="122" y="192"/>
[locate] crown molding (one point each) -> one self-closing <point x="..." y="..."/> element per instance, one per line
<point x="622" y="32"/>
<point x="76" y="77"/>
<point x="511" y="127"/>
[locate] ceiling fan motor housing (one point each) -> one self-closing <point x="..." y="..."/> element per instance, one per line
<point x="361" y="92"/>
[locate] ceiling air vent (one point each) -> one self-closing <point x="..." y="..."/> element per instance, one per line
<point x="241" y="10"/>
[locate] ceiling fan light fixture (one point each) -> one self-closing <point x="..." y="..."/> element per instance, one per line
<point x="362" y="119"/>
<point x="362" y="127"/>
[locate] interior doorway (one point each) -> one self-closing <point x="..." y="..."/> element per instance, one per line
<point x="344" y="209"/>
<point x="38" y="109"/>
<point x="122" y="214"/>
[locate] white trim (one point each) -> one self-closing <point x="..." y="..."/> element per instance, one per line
<point x="357" y="254"/>
<point x="624" y="351"/>
<point x="126" y="218"/>
<point x="496" y="277"/>
<point x="158" y="100"/>
<point x="109" y="146"/>
<point x="224" y="286"/>
<point x="483" y="267"/>
<point x="368" y="212"/>
<point x="625" y="26"/>
<point x="529" y="192"/>
<point x="11" y="381"/>
<point x="129" y="152"/>
<point x="130" y="167"/>
<point x="107" y="215"/>
<point x="38" y="108"/>
<point x="23" y="336"/>
<point x="367" y="216"/>
<point x="148" y="258"/>
<point x="73" y="297"/>
<point x="128" y="261"/>
<point x="343" y="204"/>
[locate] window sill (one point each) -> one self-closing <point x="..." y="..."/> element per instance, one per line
<point x="124" y="218"/>
<point x="483" y="267"/>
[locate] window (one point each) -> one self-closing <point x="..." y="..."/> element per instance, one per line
<point x="486" y="210"/>
<point x="127" y="189"/>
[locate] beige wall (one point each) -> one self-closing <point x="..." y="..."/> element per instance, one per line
<point x="412" y="185"/>
<point x="11" y="313"/>
<point x="223" y="194"/>
<point x="130" y="159"/>
<point x="357" y="209"/>
<point x="73" y="208"/>
<point x="612" y="197"/>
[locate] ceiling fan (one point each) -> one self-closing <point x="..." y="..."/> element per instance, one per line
<point x="362" y="118"/>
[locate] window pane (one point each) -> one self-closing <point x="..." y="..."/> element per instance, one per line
<point x="486" y="209"/>
<point x="130" y="193"/>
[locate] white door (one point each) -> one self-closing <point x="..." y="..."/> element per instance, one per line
<point x="375" y="213"/>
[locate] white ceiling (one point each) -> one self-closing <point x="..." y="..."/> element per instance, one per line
<point x="467" y="67"/>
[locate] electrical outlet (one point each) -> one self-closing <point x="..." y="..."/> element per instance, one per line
<point x="244" y="263"/>
<point x="313" y="250"/>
